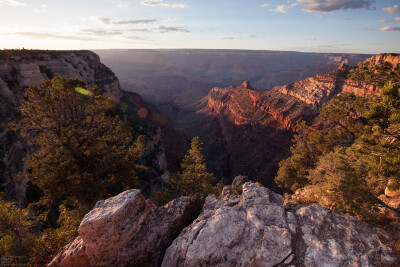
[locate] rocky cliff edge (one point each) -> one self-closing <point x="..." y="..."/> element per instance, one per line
<point x="251" y="229"/>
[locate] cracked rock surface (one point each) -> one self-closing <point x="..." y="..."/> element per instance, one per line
<point x="254" y="229"/>
<point x="127" y="230"/>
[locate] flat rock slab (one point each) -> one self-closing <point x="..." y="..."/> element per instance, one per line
<point x="254" y="229"/>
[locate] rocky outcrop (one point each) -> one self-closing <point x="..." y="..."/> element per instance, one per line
<point x="127" y="230"/>
<point x="370" y="88"/>
<point x="250" y="229"/>
<point x="319" y="89"/>
<point x="393" y="59"/>
<point x="254" y="229"/>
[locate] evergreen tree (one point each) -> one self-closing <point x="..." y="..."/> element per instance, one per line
<point x="82" y="153"/>
<point x="194" y="178"/>
<point x="356" y="158"/>
<point x="307" y="147"/>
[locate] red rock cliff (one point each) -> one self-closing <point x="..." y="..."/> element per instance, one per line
<point x="258" y="126"/>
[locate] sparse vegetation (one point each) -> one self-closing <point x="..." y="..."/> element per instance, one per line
<point x="351" y="161"/>
<point x="27" y="238"/>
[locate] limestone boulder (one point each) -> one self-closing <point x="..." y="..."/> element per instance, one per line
<point x="254" y="229"/>
<point x="127" y="230"/>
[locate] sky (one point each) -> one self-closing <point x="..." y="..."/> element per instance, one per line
<point x="349" y="26"/>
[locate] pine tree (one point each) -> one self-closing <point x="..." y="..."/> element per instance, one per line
<point x="82" y="153"/>
<point x="194" y="178"/>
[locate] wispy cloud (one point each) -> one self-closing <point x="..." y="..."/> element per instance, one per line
<point x="163" y="4"/>
<point x="281" y="9"/>
<point x="383" y="29"/>
<point x="265" y="5"/>
<point x="162" y="29"/>
<point x="238" y="37"/>
<point x="11" y="3"/>
<point x="284" y="8"/>
<point x="109" y="21"/>
<point x="37" y="35"/>
<point x="391" y="20"/>
<point x="390" y="29"/>
<point x="100" y="32"/>
<point x="392" y="9"/>
<point x="332" y="5"/>
<point x="135" y="38"/>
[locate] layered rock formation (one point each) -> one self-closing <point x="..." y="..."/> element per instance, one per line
<point x="22" y="68"/>
<point x="254" y="128"/>
<point x="127" y="230"/>
<point x="174" y="78"/>
<point x="251" y="229"/>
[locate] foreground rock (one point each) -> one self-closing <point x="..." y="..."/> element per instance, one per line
<point x="254" y="229"/>
<point x="251" y="229"/>
<point x="128" y="230"/>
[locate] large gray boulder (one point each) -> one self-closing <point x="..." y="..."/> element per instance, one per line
<point x="251" y="229"/>
<point x="254" y="229"/>
<point x="127" y="230"/>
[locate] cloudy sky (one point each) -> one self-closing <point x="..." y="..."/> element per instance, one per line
<point x="362" y="26"/>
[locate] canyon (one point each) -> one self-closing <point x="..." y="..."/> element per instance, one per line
<point x="248" y="131"/>
<point x="245" y="131"/>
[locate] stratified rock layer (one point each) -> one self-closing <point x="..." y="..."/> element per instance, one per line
<point x="253" y="129"/>
<point x="254" y="229"/>
<point x="127" y="230"/>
